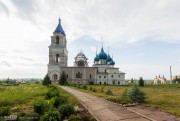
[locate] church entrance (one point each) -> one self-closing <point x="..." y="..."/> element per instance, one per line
<point x="55" y="79"/>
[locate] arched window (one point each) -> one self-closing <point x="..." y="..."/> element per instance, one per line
<point x="57" y="40"/>
<point x="100" y="83"/>
<point x="111" y="76"/>
<point x="78" y="75"/>
<point x="55" y="77"/>
<point x="57" y="58"/>
<point x="90" y="76"/>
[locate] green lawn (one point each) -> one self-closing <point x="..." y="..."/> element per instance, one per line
<point x="22" y="97"/>
<point x="163" y="97"/>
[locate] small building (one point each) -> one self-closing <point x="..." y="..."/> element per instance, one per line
<point x="160" y="80"/>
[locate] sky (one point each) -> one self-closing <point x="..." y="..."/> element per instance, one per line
<point x="142" y="35"/>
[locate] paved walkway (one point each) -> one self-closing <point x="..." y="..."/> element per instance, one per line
<point x="104" y="110"/>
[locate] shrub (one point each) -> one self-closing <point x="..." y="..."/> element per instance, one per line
<point x="141" y="82"/>
<point x="124" y="99"/>
<point x="52" y="92"/>
<point x="109" y="92"/>
<point x="57" y="101"/>
<point x="51" y="116"/>
<point x="46" y="80"/>
<point x="85" y="87"/>
<point x="90" y="88"/>
<point x="136" y="95"/>
<point x="5" y="111"/>
<point x="94" y="89"/>
<point x="66" y="110"/>
<point x="40" y="107"/>
<point x="74" y="117"/>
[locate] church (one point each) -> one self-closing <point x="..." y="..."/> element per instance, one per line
<point x="103" y="71"/>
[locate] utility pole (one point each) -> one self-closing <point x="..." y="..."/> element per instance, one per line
<point x="170" y="75"/>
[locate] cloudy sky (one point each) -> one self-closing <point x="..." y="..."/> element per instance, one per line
<point x="143" y="35"/>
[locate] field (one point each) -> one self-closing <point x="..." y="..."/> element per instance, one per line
<point x="163" y="97"/>
<point x="21" y="98"/>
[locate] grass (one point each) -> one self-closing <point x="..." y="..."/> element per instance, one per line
<point x="163" y="97"/>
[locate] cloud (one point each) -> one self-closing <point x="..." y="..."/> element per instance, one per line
<point x="4" y="9"/>
<point x="5" y="63"/>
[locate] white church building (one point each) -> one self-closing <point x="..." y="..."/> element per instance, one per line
<point x="103" y="71"/>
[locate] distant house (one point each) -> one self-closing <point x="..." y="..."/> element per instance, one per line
<point x="160" y="80"/>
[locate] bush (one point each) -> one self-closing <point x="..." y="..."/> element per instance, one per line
<point x="52" y="92"/>
<point x="85" y="87"/>
<point x="141" y="82"/>
<point x="57" y="101"/>
<point x="109" y="92"/>
<point x="51" y="116"/>
<point x="94" y="89"/>
<point x="40" y="107"/>
<point x="74" y="117"/>
<point x="66" y="110"/>
<point x="90" y="88"/>
<point x="124" y="99"/>
<point x="102" y="90"/>
<point x="46" y="80"/>
<point x="5" y="111"/>
<point x="136" y="95"/>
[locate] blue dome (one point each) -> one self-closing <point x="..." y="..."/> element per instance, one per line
<point x="108" y="59"/>
<point x="112" y="63"/>
<point x="96" y="58"/>
<point x="102" y="54"/>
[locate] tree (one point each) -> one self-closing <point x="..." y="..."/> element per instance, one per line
<point x="46" y="80"/>
<point x="141" y="82"/>
<point x="132" y="80"/>
<point x="63" y="79"/>
<point x="136" y="95"/>
<point x="176" y="80"/>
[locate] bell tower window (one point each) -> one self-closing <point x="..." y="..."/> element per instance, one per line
<point x="57" y="40"/>
<point x="57" y="58"/>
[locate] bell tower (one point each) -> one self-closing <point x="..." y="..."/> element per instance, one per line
<point x="58" y="54"/>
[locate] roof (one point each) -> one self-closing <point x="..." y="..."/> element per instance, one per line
<point x="59" y="28"/>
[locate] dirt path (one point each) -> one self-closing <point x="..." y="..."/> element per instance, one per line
<point x="104" y="110"/>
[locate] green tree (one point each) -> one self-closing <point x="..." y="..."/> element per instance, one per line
<point x="136" y="95"/>
<point x="63" y="79"/>
<point x="176" y="80"/>
<point x="46" y="80"/>
<point x="132" y="80"/>
<point x="141" y="82"/>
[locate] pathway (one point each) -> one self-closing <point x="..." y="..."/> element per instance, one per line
<point x="104" y="110"/>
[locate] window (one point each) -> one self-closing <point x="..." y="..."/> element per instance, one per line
<point x="57" y="40"/>
<point x="67" y="76"/>
<point x="57" y="58"/>
<point x="119" y="75"/>
<point x="78" y="75"/>
<point x="118" y="82"/>
<point x="111" y="76"/>
<point x="100" y="83"/>
<point x="99" y="76"/>
<point x="90" y="76"/>
<point x="104" y="76"/>
<point x="55" y="77"/>
<point x="104" y="83"/>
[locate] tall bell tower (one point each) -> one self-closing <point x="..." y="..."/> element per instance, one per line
<point x="58" y="54"/>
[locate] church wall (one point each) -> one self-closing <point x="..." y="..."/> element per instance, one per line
<point x="72" y="73"/>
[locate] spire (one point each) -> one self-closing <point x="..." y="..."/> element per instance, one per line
<point x="59" y="20"/>
<point x="59" y="28"/>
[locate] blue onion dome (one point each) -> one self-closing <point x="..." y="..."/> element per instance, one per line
<point x="108" y="59"/>
<point x="96" y="58"/>
<point x="112" y="63"/>
<point x="102" y="54"/>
